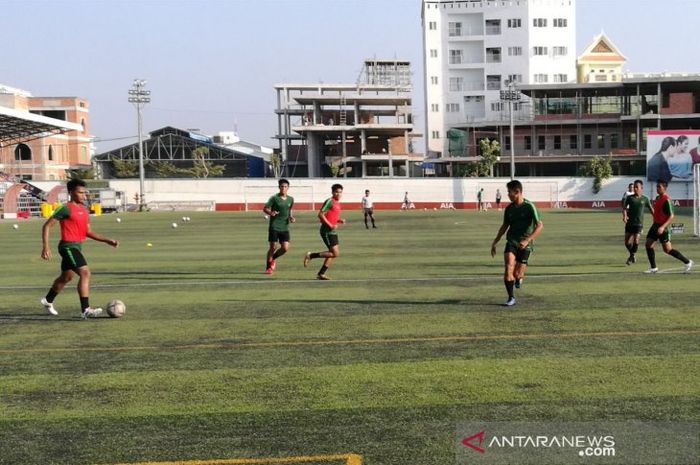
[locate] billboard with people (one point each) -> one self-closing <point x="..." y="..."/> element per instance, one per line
<point x="671" y="154"/>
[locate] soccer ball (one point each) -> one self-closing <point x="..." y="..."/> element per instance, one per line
<point x="174" y="225"/>
<point x="184" y="218"/>
<point x="116" y="308"/>
<point x="15" y="226"/>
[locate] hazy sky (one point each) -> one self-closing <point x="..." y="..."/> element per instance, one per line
<point x="211" y="64"/>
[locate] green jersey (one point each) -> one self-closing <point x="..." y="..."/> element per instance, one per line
<point x="635" y="209"/>
<point x="283" y="207"/>
<point x="521" y="220"/>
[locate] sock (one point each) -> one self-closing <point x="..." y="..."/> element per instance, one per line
<point x="84" y="302"/>
<point x="635" y="247"/>
<point x="509" y="288"/>
<point x="628" y="247"/>
<point x="323" y="270"/>
<point x="652" y="257"/>
<point x="315" y="255"/>
<point x="676" y="254"/>
<point x="277" y="254"/>
<point x="51" y="295"/>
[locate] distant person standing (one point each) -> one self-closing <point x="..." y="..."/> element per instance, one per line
<point x="480" y="200"/>
<point x="329" y="215"/>
<point x="663" y="215"/>
<point x="368" y="210"/>
<point x="633" y="217"/>
<point x="630" y="191"/>
<point x="522" y="222"/>
<point x="407" y="204"/>
<point x="498" y="199"/>
<point x="279" y="209"/>
<point x="75" y="228"/>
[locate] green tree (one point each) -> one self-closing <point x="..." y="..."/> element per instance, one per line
<point x="201" y="167"/>
<point x="490" y="150"/>
<point x="125" y="168"/>
<point x="599" y="168"/>
<point x="276" y="164"/>
<point x="164" y="169"/>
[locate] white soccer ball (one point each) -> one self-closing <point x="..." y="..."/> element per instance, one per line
<point x="15" y="226"/>
<point x="266" y="217"/>
<point x="174" y="225"/>
<point x="116" y="308"/>
<point x="187" y="218"/>
<point x="119" y="220"/>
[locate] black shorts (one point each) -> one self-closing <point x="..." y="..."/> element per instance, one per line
<point x="654" y="234"/>
<point x="368" y="211"/>
<point x="72" y="259"/>
<point x="521" y="255"/>
<point x="278" y="236"/>
<point x="633" y="228"/>
<point x="329" y="237"/>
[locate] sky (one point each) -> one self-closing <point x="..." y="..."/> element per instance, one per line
<point x="212" y="64"/>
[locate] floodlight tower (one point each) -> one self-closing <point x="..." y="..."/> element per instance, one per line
<point x="511" y="95"/>
<point x="139" y="96"/>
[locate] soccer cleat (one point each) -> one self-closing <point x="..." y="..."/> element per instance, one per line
<point x="688" y="266"/>
<point x="273" y="265"/>
<point x="48" y="306"/>
<point x="518" y="283"/>
<point x="307" y="259"/>
<point x="268" y="271"/>
<point x="629" y="261"/>
<point x="322" y="277"/>
<point x="510" y="302"/>
<point x="91" y="313"/>
<point x="652" y="270"/>
<point x="633" y="258"/>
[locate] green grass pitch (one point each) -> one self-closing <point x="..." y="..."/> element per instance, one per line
<point x="216" y="360"/>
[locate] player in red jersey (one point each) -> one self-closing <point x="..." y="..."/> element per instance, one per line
<point x="663" y="215"/>
<point x="329" y="214"/>
<point x="74" y="220"/>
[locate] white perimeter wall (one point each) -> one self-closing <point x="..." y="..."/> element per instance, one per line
<point x="425" y="190"/>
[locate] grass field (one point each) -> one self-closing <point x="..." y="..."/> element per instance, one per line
<point x="215" y="360"/>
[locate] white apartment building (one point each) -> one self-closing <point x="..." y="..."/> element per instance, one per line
<point x="472" y="49"/>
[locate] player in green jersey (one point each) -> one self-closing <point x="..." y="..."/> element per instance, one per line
<point x="522" y="222"/>
<point x="633" y="217"/>
<point x="279" y="209"/>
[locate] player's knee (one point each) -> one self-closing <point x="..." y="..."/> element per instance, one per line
<point x="84" y="273"/>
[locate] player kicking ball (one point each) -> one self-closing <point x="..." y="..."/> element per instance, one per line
<point x="329" y="215"/>
<point x="75" y="228"/>
<point x="522" y="222"/>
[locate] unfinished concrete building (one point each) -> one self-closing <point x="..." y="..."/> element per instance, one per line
<point x="350" y="130"/>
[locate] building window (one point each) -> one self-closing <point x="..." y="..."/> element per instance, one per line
<point x="613" y="141"/>
<point x="434" y="107"/>
<point x="493" y="27"/>
<point x="507" y="143"/>
<point x="497" y="106"/>
<point x="601" y="141"/>
<point x="587" y="141"/>
<point x="573" y="142"/>
<point x="515" y="51"/>
<point x="435" y="134"/>
<point x="456" y="84"/>
<point x="493" y="55"/>
<point x="559" y="22"/>
<point x="632" y="141"/>
<point x="559" y="51"/>
<point x="528" y="142"/>
<point x="455" y="29"/>
<point x="433" y="80"/>
<point x="557" y="142"/>
<point x="541" y="145"/>
<point x="456" y="57"/>
<point x="452" y="107"/>
<point x="23" y="152"/>
<point x="561" y="78"/>
<point x="432" y="25"/>
<point x="515" y="22"/>
<point x="540" y="78"/>
<point x="539" y="22"/>
<point x="433" y="53"/>
<point x="50" y="152"/>
<point x="493" y="82"/>
<point x="539" y="51"/>
<point x="515" y="78"/>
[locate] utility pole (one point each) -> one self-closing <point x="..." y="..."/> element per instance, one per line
<point x="510" y="96"/>
<point x="139" y="96"/>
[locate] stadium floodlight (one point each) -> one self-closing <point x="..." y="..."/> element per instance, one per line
<point x="139" y="97"/>
<point x="511" y="95"/>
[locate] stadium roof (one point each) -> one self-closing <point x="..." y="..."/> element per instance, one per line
<point x="20" y="126"/>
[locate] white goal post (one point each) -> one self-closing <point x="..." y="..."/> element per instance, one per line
<point x="256" y="196"/>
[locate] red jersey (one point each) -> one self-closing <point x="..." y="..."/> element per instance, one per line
<point x="74" y="220"/>
<point x="663" y="209"/>
<point x="331" y="208"/>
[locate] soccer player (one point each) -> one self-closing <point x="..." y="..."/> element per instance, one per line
<point x="279" y="208"/>
<point x="75" y="227"/>
<point x="480" y="200"/>
<point x="663" y="215"/>
<point x="633" y="216"/>
<point x="522" y="222"/>
<point x="367" y="208"/>
<point x="329" y="215"/>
